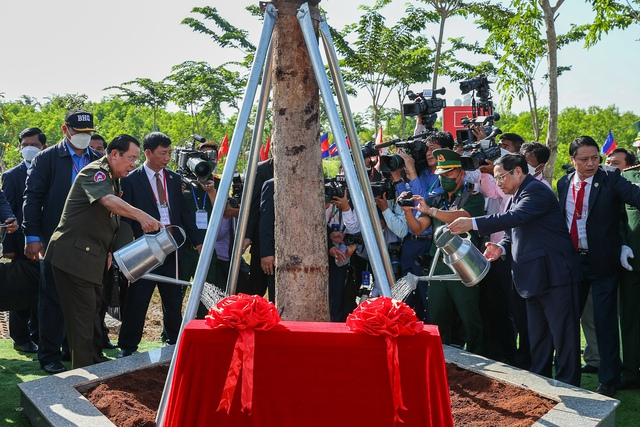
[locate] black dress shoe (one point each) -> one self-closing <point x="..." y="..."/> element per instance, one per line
<point x="54" y="368"/>
<point x="588" y="369"/>
<point x="109" y="345"/>
<point x="124" y="353"/>
<point x="608" y="390"/>
<point x="29" y="347"/>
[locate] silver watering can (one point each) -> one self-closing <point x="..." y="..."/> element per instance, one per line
<point x="146" y="253"/>
<point x="462" y="256"/>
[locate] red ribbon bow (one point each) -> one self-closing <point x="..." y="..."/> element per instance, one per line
<point x="389" y="318"/>
<point x="246" y="313"/>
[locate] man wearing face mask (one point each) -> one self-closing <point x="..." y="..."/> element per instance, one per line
<point x="23" y="324"/>
<point x="456" y="201"/>
<point x="48" y="182"/>
<point x="536" y="155"/>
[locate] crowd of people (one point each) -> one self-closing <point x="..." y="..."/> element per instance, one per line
<point x="557" y="263"/>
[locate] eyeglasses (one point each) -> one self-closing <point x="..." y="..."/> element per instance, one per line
<point x="501" y="177"/>
<point x="133" y="160"/>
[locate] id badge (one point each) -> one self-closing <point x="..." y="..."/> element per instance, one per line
<point x="582" y="228"/>
<point x="164" y="215"/>
<point x="202" y="219"/>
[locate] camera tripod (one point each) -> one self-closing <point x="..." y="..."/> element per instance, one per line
<point x="352" y="161"/>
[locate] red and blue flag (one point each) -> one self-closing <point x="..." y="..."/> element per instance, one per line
<point x="609" y="144"/>
<point x="324" y="143"/>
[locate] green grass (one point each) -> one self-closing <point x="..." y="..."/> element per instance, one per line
<point x="17" y="367"/>
<point x="20" y="367"/>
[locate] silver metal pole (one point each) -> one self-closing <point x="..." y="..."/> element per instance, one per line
<point x="218" y="206"/>
<point x="366" y="226"/>
<point x="347" y="117"/>
<point x="250" y="175"/>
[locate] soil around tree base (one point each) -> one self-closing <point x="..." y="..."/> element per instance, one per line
<point x="132" y="399"/>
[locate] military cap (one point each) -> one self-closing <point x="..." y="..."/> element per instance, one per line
<point x="447" y="160"/>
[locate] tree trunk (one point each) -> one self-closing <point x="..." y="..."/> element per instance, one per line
<point x="300" y="230"/>
<point x="552" y="60"/>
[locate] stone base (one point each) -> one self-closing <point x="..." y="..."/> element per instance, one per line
<point x="55" y="400"/>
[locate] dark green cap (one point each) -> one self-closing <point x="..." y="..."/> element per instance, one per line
<point x="447" y="160"/>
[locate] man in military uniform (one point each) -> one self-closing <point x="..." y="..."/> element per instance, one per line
<point x="456" y="201"/>
<point x="629" y="291"/>
<point x="79" y="247"/>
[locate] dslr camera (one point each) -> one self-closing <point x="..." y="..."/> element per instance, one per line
<point x="384" y="188"/>
<point x="334" y="187"/>
<point x="193" y="165"/>
<point x="237" y="185"/>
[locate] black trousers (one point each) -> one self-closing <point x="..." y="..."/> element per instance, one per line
<point x="51" y="320"/>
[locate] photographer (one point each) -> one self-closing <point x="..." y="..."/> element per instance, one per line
<point x="456" y="201"/>
<point x="340" y="220"/>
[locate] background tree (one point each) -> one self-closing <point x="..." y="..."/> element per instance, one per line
<point x="154" y="95"/>
<point x="202" y="91"/>
<point x="375" y="59"/>
<point x="611" y="14"/>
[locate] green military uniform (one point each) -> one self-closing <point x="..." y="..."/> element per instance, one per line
<point x="629" y="291"/>
<point x="447" y="297"/>
<point x="78" y="252"/>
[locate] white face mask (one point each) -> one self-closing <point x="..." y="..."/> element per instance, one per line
<point x="532" y="170"/>
<point x="80" y="140"/>
<point x="29" y="152"/>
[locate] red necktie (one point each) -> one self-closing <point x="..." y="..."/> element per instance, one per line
<point x="577" y="213"/>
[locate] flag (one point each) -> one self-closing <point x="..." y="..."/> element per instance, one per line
<point x="333" y="150"/>
<point x="379" y="137"/>
<point x="224" y="148"/>
<point x="324" y="144"/>
<point x="609" y="144"/>
<point x="264" y="150"/>
<point x="348" y="142"/>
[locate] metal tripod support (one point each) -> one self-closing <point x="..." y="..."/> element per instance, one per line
<point x="356" y="175"/>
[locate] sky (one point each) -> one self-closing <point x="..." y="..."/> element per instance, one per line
<point x="62" y="46"/>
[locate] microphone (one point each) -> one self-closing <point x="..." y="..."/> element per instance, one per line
<point x="199" y="138"/>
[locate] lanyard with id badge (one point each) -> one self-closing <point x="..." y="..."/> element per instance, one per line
<point x="163" y="206"/>
<point x="202" y="218"/>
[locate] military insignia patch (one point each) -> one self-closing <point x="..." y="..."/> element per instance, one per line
<point x="99" y="176"/>
<point x="440" y="158"/>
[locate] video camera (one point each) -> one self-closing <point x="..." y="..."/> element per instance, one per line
<point x="237" y="185"/>
<point x="193" y="165"/>
<point x="424" y="105"/>
<point x="476" y="154"/>
<point x="466" y="136"/>
<point x="334" y="187"/>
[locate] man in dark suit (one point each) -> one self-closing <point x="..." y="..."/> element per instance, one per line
<point x="48" y="182"/>
<point x="591" y="200"/>
<point x="258" y="282"/>
<point x="158" y="192"/>
<point x="23" y="324"/>
<point x="544" y="266"/>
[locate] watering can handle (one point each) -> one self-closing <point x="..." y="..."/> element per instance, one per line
<point x="184" y="235"/>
